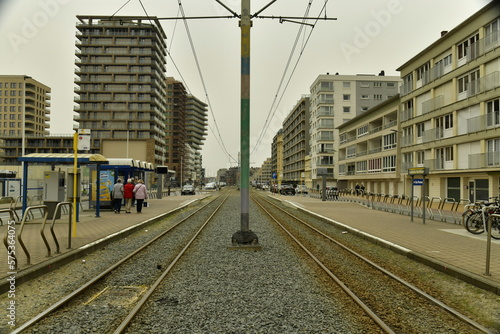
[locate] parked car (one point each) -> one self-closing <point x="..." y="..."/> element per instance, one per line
<point x="301" y="190"/>
<point x="188" y="189"/>
<point x="287" y="189"/>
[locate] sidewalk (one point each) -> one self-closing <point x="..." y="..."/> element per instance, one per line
<point x="90" y="233"/>
<point x="445" y="246"/>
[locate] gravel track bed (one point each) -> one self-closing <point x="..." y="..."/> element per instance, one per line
<point x="477" y="304"/>
<point x="36" y="295"/>
<point x="216" y="290"/>
<point x="97" y="312"/>
<point x="402" y="309"/>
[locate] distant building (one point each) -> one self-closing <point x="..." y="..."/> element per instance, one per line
<point x="175" y="127"/>
<point x="196" y="130"/>
<point x="277" y="158"/>
<point x="336" y="99"/>
<point x="296" y="142"/>
<point x="121" y="85"/>
<point x="22" y="97"/>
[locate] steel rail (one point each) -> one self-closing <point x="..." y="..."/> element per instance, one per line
<point x="123" y="326"/>
<point x="412" y="287"/>
<point x="351" y="294"/>
<point x="97" y="278"/>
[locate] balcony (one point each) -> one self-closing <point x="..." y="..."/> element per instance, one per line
<point x="432" y="104"/>
<point x="484" y="160"/>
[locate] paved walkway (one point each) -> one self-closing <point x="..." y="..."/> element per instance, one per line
<point x="446" y="246"/>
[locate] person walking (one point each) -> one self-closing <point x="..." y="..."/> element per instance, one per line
<point x="128" y="194"/>
<point x="141" y="194"/>
<point x="117" y="195"/>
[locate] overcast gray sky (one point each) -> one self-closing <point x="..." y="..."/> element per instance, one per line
<point x="38" y="39"/>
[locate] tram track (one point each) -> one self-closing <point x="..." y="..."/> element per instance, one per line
<point x="396" y="306"/>
<point x="109" y="293"/>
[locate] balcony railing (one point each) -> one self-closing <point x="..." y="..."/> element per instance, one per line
<point x="406" y="114"/>
<point x="484" y="160"/>
<point x="483" y="122"/>
<point x="432" y="104"/>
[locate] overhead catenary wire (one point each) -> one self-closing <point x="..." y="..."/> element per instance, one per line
<point x="221" y="142"/>
<point x="274" y="105"/>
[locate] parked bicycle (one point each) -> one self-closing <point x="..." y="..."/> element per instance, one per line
<point x="476" y="218"/>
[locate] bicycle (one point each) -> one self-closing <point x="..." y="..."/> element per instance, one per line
<point x="477" y="218"/>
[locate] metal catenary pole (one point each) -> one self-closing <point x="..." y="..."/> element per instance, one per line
<point x="245" y="236"/>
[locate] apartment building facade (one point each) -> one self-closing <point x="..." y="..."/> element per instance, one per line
<point x="334" y="100"/>
<point x="196" y="130"/>
<point x="450" y="109"/>
<point x="368" y="151"/>
<point x="175" y="128"/>
<point x="24" y="114"/>
<point x="121" y="85"/>
<point x="296" y="142"/>
<point x="277" y="158"/>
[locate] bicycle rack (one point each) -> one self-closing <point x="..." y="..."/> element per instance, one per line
<point x="10" y="208"/>
<point x="60" y="206"/>
<point x="429" y="206"/>
<point x="19" y="237"/>
<point x="442" y="203"/>
<point x="5" y="242"/>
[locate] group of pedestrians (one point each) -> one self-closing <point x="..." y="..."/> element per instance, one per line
<point x="131" y="192"/>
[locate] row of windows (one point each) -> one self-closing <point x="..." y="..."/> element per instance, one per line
<point x="467" y="50"/>
<point x="11" y="85"/>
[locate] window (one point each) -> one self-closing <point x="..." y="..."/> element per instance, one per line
<point x="420" y="158"/>
<point x="347" y="97"/>
<point x="375" y="165"/>
<point x="493" y="147"/>
<point x="469" y="83"/>
<point x="391" y="84"/>
<point x="493" y="112"/>
<point x="445" y="122"/>
<point x="326" y="85"/>
<point x="377" y="97"/>
<point x="351" y="151"/>
<point x="346" y="84"/>
<point x="389" y="164"/>
<point x="347" y="109"/>
<point x="423" y="73"/>
<point x="389" y="141"/>
<point x="364" y="84"/>
<point x="326" y="98"/>
<point x="463" y="48"/>
<point x="364" y="97"/>
<point x="326" y="111"/>
<point x="491" y="34"/>
<point x="363" y="131"/>
<point x="377" y="84"/>
<point x="343" y="138"/>
<point x="361" y="167"/>
<point x="420" y="129"/>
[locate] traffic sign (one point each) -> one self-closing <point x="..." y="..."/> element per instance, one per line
<point x="418" y="182"/>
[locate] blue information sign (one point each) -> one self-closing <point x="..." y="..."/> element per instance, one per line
<point x="418" y="182"/>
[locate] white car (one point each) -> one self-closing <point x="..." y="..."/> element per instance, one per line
<point x="188" y="189"/>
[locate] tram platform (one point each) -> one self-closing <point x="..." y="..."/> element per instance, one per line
<point x="91" y="233"/>
<point x="445" y="246"/>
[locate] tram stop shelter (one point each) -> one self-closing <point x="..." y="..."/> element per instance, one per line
<point x="120" y="168"/>
<point x="54" y="159"/>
